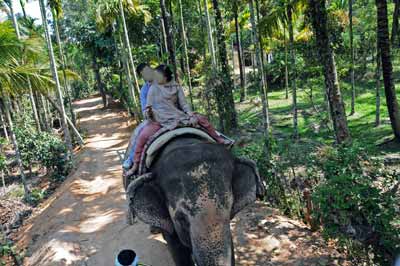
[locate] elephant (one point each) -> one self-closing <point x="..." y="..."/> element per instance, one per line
<point x="193" y="191"/>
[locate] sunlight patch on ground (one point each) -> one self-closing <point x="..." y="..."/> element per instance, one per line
<point x="98" y="222"/>
<point x="58" y="253"/>
<point x="93" y="187"/>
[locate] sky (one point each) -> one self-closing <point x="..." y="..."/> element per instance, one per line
<point x="32" y="9"/>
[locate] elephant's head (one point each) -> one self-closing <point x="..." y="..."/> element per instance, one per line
<point x="147" y="201"/>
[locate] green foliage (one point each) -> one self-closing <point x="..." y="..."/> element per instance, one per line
<point x="354" y="202"/>
<point x="43" y="148"/>
<point x="37" y="195"/>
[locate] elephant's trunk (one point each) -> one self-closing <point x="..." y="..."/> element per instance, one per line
<point x="211" y="239"/>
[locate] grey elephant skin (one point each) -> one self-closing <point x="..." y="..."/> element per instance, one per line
<point x="192" y="193"/>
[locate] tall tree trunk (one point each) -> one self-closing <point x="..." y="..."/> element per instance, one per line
<point x="100" y="85"/>
<point x="185" y="51"/>
<point x="34" y="109"/>
<point x="46" y="114"/>
<point x="286" y="64"/>
<point x="205" y="92"/>
<point x="293" y="71"/>
<point x="67" y="89"/>
<point x="240" y="52"/>
<point x="131" y="86"/>
<point x="53" y="66"/>
<point x="3" y="122"/>
<point x="378" y="87"/>
<point x="23" y="3"/>
<point x="337" y="110"/>
<point x="225" y="95"/>
<point x="387" y="68"/>
<point x="353" y="88"/>
<point x="131" y="62"/>
<point x="164" y="37"/>
<point x="32" y="100"/>
<point x="39" y="112"/>
<point x="166" y="16"/>
<point x="395" y="25"/>
<point x="58" y="109"/>
<point x="13" y="17"/>
<point x="6" y="106"/>
<point x="261" y="79"/>
<point x="210" y="36"/>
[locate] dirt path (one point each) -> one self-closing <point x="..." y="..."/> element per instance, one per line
<point x="83" y="223"/>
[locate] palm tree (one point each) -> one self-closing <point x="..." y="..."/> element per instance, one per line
<point x="56" y="11"/>
<point x="387" y="68"/>
<point x="10" y="6"/>
<point x="23" y="4"/>
<point x="261" y="78"/>
<point x="378" y="86"/>
<point x="185" y="51"/>
<point x="129" y="51"/>
<point x="13" y="79"/>
<point x="283" y="14"/>
<point x="353" y="89"/>
<point x="319" y="19"/>
<point x="395" y="25"/>
<point x="166" y="17"/>
<point x="289" y="10"/>
<point x="224" y="94"/>
<point x="210" y="36"/>
<point x="3" y="124"/>
<point x="110" y="11"/>
<point x="240" y="52"/>
<point x="67" y="136"/>
<point x="16" y="27"/>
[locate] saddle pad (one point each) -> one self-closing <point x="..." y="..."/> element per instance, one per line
<point x="157" y="144"/>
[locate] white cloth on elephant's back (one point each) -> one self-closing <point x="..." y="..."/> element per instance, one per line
<point x="169" y="105"/>
<point x="162" y="140"/>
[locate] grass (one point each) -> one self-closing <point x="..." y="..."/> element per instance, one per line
<point x="312" y="125"/>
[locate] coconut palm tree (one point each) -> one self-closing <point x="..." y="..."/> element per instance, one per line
<point x="53" y="65"/>
<point x="56" y="11"/>
<point x="395" y="40"/>
<point x="224" y="93"/>
<point x="10" y="5"/>
<point x="283" y="16"/>
<point x="185" y="51"/>
<point x="211" y="47"/>
<point x="235" y="10"/>
<point x="110" y="11"/>
<point x="261" y="77"/>
<point x="353" y="89"/>
<point x="13" y="79"/>
<point x="387" y="68"/>
<point x="319" y="17"/>
<point x="166" y="17"/>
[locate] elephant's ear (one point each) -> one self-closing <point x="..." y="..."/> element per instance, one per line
<point x="246" y="184"/>
<point x="147" y="203"/>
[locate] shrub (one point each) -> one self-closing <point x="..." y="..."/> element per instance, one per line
<point x="43" y="148"/>
<point x="355" y="203"/>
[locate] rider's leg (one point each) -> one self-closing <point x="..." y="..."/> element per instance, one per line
<point x="129" y="162"/>
<point x="203" y="122"/>
<point x="149" y="130"/>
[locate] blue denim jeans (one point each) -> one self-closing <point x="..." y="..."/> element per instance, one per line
<point x="128" y="162"/>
